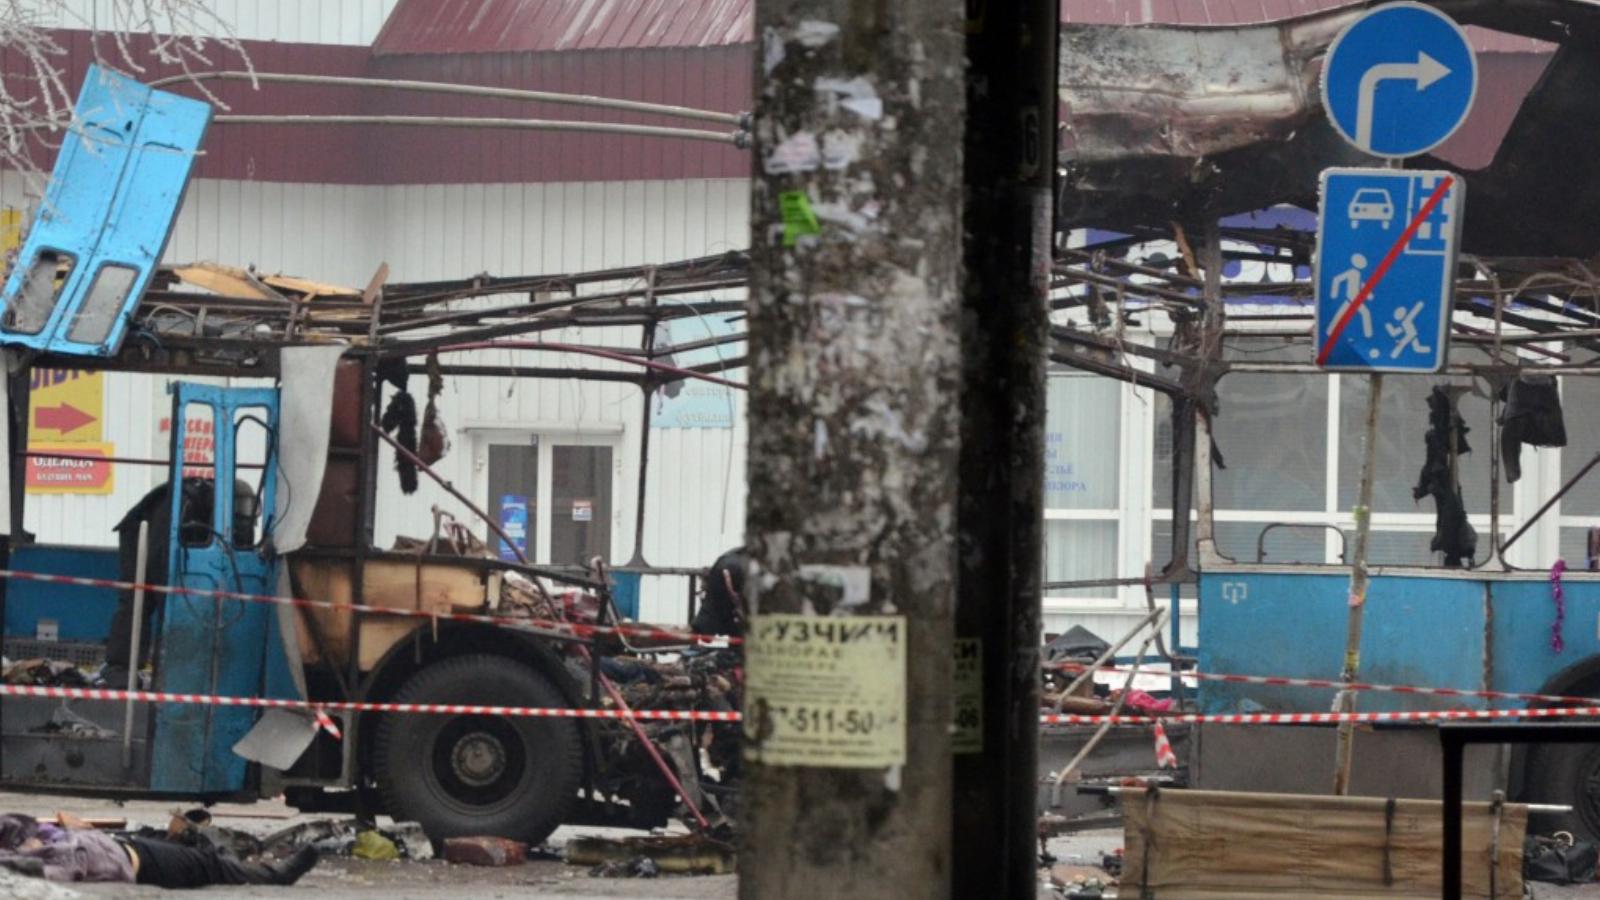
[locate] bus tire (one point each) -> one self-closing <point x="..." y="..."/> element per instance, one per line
<point x="513" y="777"/>
<point x="1569" y="775"/>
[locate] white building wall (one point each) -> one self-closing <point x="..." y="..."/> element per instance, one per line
<point x="297" y="21"/>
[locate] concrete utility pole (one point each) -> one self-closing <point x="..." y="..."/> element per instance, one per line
<point x="1009" y="172"/>
<point x="855" y="383"/>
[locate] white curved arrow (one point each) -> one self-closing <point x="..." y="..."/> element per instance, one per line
<point x="1425" y="71"/>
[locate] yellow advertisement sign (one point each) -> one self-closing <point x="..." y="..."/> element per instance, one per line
<point x="66" y="409"/>
<point x="826" y="691"/>
<point x="66" y="405"/>
<point x="70" y="468"/>
<point x="10" y="229"/>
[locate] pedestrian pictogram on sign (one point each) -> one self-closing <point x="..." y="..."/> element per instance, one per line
<point x="1385" y="268"/>
<point x="1399" y="80"/>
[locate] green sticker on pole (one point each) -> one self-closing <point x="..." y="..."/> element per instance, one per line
<point x="798" y="219"/>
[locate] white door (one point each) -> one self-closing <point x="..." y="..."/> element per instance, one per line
<point x="553" y="494"/>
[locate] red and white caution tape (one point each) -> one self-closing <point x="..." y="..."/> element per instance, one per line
<point x="453" y="709"/>
<point x="1165" y="758"/>
<point x="1339" y="685"/>
<point x="326" y="723"/>
<point x="680" y="715"/>
<point x="646" y="632"/>
<point x="1425" y="715"/>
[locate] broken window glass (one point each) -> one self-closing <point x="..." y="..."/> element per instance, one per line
<point x="1080" y="551"/>
<point x="1082" y="449"/>
<point x="29" y="310"/>
<point x="102" y="304"/>
<point x="1401" y="446"/>
<point x="1272" y="430"/>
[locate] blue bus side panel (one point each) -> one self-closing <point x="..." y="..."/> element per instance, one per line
<point x="1524" y="614"/>
<point x="1422" y="631"/>
<point x="82" y="613"/>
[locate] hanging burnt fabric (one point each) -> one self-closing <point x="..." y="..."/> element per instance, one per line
<point x="400" y="419"/>
<point x="1531" y="415"/>
<point x="435" y="440"/>
<point x="1453" y="535"/>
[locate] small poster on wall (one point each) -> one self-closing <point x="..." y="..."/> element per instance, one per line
<point x="514" y="522"/>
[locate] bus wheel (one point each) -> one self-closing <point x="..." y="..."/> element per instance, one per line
<point x="479" y="775"/>
<point x="1568" y="775"/>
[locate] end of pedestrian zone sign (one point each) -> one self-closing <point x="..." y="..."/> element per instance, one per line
<point x="1385" y="269"/>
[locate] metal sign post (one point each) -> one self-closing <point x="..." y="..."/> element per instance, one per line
<point x="1397" y="82"/>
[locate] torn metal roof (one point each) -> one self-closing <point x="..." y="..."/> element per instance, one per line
<point x="1166" y="122"/>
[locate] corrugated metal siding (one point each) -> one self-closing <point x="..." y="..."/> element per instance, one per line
<point x="355" y="22"/>
<point x="514" y="26"/>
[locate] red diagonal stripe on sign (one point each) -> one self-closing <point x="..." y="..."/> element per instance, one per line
<point x="1434" y="199"/>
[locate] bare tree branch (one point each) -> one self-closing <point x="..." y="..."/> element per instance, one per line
<point x="36" y="106"/>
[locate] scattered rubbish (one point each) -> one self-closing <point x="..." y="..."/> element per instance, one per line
<point x="1112" y="863"/>
<point x="371" y="845"/>
<point x="485" y="851"/>
<point x="411" y="840"/>
<point x="66" y="723"/>
<point x="688" y="854"/>
<point x="1139" y="701"/>
<point x="332" y="837"/>
<point x="1559" y="859"/>
<point x="638" y="867"/>
<point x="58" y="673"/>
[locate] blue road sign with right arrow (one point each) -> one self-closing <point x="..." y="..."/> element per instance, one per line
<point x="1399" y="80"/>
<point x="1385" y="268"/>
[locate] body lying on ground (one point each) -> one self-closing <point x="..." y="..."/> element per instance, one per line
<point x="71" y="850"/>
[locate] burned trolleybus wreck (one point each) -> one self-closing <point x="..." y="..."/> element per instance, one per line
<point x="1191" y="157"/>
<point x="274" y="593"/>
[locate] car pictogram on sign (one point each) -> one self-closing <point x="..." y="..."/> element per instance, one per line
<point x="1371" y="205"/>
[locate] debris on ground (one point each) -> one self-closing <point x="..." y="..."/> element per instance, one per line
<point x="333" y="837"/>
<point x="485" y="851"/>
<point x="22" y="887"/>
<point x="1559" y="859"/>
<point x="410" y="839"/>
<point x="689" y="854"/>
<point x="346" y="837"/>
<point x="370" y="845"/>
<point x="54" y="672"/>
<point x="1079" y="882"/>
<point x="638" y="867"/>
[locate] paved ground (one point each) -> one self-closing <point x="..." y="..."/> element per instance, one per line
<point x="354" y="879"/>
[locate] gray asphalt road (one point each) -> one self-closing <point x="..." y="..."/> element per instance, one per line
<point x="354" y="879"/>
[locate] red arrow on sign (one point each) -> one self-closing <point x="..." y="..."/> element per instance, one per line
<point x="65" y="418"/>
